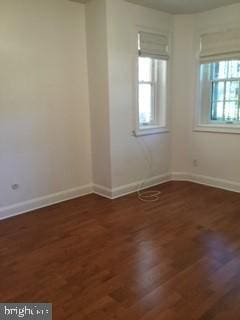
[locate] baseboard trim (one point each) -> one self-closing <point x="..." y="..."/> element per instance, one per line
<point x="41" y="202"/>
<point x="140" y="185"/>
<point x="207" y="180"/>
<point x="102" y="191"/>
<point x="180" y="176"/>
<point x="131" y="187"/>
<point x="216" y="182"/>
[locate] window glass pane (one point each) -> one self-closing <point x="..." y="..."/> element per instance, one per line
<point x="220" y="70"/>
<point x="234" y="69"/>
<point x="231" y="111"/>
<point x="218" y="91"/>
<point x="232" y="90"/>
<point x="225" y="69"/>
<point x="145" y="102"/>
<point x="204" y="72"/>
<point x="145" y="69"/>
<point x="217" y="110"/>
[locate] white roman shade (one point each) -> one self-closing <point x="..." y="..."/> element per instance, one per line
<point x="220" y="46"/>
<point x="153" y="45"/>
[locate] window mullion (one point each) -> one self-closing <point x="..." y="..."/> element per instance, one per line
<point x="153" y="118"/>
<point x="145" y="82"/>
<point x="213" y="113"/>
<point x="148" y="100"/>
<point x="238" y="114"/>
<point x="220" y="92"/>
<point x="224" y="100"/>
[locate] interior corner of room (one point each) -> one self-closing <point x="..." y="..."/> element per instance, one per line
<point x="69" y="100"/>
<point x="120" y="159"/>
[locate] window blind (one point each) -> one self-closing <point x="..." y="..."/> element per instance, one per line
<point x="220" y="46"/>
<point x="153" y="45"/>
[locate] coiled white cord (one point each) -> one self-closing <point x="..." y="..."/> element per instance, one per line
<point x="148" y="195"/>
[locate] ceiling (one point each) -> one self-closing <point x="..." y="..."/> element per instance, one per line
<point x="180" y="6"/>
<point x="184" y="6"/>
<point x="81" y="1"/>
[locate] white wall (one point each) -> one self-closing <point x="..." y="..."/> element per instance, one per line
<point x="45" y="133"/>
<point x="218" y="154"/>
<point x="128" y="154"/>
<point x="182" y="91"/>
<point x="99" y="91"/>
<point x="44" y="112"/>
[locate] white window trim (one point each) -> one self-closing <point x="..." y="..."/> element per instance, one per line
<point x="217" y="128"/>
<point x="149" y="129"/>
<point x="209" y="127"/>
<point x="154" y="89"/>
<point x="212" y="126"/>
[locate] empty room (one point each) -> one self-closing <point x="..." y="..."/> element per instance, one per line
<point x="120" y="159"/>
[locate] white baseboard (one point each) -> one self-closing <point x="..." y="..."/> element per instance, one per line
<point x="207" y="180"/>
<point x="215" y="182"/>
<point x="41" y="202"/>
<point x="37" y="203"/>
<point x="131" y="187"/>
<point x="180" y="176"/>
<point x="102" y="191"/>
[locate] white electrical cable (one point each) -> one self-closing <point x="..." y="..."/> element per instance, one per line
<point x="148" y="195"/>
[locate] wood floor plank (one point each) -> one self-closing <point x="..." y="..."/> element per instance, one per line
<point x="94" y="258"/>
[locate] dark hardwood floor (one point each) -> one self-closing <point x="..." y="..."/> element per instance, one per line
<point x="93" y="258"/>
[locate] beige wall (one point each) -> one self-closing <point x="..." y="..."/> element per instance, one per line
<point x="218" y="154"/>
<point x="99" y="91"/>
<point x="45" y="132"/>
<point x="44" y="112"/>
<point x="182" y="90"/>
<point x="128" y="153"/>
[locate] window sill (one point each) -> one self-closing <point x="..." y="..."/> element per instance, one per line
<point x="220" y="128"/>
<point x="150" y="130"/>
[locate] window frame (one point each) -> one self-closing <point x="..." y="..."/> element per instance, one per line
<point x="155" y="88"/>
<point x="214" y="126"/>
<point x="225" y="81"/>
<point x="197" y="124"/>
<point x="155" y="127"/>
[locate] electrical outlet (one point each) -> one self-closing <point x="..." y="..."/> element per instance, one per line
<point x="15" y="186"/>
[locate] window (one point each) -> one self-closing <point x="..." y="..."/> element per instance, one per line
<point x="152" y="83"/>
<point x="220" y="79"/>
<point x="220" y="83"/>
<point x="151" y="80"/>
